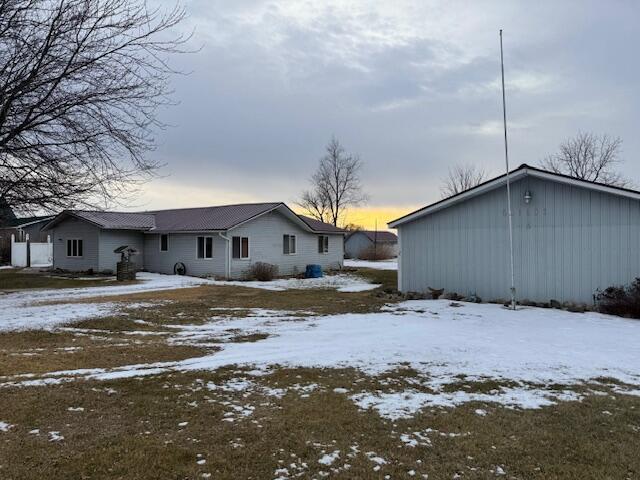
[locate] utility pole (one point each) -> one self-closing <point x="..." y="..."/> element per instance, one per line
<point x="506" y="158"/>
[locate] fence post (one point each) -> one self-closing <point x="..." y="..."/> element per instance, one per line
<point x="28" y="250"/>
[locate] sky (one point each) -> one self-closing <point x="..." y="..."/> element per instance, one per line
<point x="412" y="87"/>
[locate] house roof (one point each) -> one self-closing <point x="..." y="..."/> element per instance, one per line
<point x="108" y="220"/>
<point x="209" y="218"/>
<point x="25" y="221"/>
<point x="379" y="236"/>
<point x="217" y="218"/>
<point x="319" y="226"/>
<point x="520" y="172"/>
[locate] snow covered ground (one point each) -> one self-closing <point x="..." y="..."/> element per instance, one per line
<point x="378" y="265"/>
<point x="24" y="310"/>
<point x="535" y="348"/>
<point x="341" y="282"/>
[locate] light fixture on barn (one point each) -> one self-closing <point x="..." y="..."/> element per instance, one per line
<point x="506" y="158"/>
<point x="527" y="197"/>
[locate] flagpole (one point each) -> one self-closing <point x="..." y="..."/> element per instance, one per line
<point x="506" y="158"/>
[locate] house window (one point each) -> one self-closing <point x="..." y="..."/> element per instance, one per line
<point x="323" y="244"/>
<point x="164" y="243"/>
<point x="205" y="247"/>
<point x="289" y="244"/>
<point x="241" y="247"/>
<point x="74" y="247"/>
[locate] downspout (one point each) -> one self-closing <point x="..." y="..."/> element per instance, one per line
<point x="228" y="254"/>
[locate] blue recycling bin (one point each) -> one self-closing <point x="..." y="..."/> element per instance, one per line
<point x="313" y="271"/>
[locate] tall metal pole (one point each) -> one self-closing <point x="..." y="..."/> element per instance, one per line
<point x="506" y="158"/>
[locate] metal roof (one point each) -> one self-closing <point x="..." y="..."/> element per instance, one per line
<point x="319" y="226"/>
<point x="379" y="236"/>
<point x="114" y="220"/>
<point x="209" y="218"/>
<point x="522" y="171"/>
<point x="218" y="218"/>
<point x="23" y="222"/>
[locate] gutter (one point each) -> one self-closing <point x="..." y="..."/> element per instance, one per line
<point x="228" y="240"/>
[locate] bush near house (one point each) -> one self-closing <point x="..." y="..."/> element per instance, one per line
<point x="618" y="300"/>
<point x="380" y="252"/>
<point x="263" y="272"/>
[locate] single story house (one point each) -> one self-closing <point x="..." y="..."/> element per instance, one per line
<point x="571" y="237"/>
<point x="359" y="242"/>
<point x="221" y="241"/>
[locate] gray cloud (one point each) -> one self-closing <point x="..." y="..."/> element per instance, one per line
<point x="411" y="86"/>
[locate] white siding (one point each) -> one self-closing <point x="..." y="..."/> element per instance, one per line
<point x="74" y="228"/>
<point x="183" y="248"/>
<point x="265" y="245"/>
<point x="112" y="239"/>
<point x="568" y="242"/>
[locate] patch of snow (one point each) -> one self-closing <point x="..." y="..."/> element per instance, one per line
<point x="531" y="347"/>
<point x="329" y="458"/>
<point x="340" y="390"/>
<point x="391" y="264"/>
<point x="404" y="404"/>
<point x="481" y="412"/>
<point x="76" y="409"/>
<point x="24" y="310"/>
<point x="4" y="426"/>
<point x="55" y="437"/>
<point x="341" y="282"/>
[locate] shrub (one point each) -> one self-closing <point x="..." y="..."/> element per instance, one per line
<point x="263" y="272"/>
<point x="380" y="252"/>
<point x="620" y="300"/>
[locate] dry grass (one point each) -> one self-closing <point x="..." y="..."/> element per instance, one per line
<point x="130" y="428"/>
<point x="20" y="280"/>
<point x="40" y="352"/>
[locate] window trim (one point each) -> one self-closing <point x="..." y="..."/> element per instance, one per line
<point x="295" y="242"/>
<point x="160" y="243"/>
<point x="325" y="244"/>
<point x="79" y="241"/>
<point x="204" y="247"/>
<point x="241" y="237"/>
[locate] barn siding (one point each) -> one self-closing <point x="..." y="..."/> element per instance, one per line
<point x="356" y="244"/>
<point x="568" y="242"/>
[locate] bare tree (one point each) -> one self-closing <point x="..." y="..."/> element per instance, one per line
<point x="336" y="185"/>
<point x="461" y="178"/>
<point x="589" y="157"/>
<point x="81" y="82"/>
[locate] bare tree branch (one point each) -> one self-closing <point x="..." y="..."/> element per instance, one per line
<point x="589" y="157"/>
<point x="461" y="178"/>
<point x="336" y="185"/>
<point x="81" y="83"/>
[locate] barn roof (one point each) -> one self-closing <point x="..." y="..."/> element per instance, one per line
<point x="379" y="236"/>
<point x="520" y="172"/>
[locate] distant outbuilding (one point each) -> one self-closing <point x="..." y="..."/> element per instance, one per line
<point x="363" y="243"/>
<point x="571" y="237"/>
